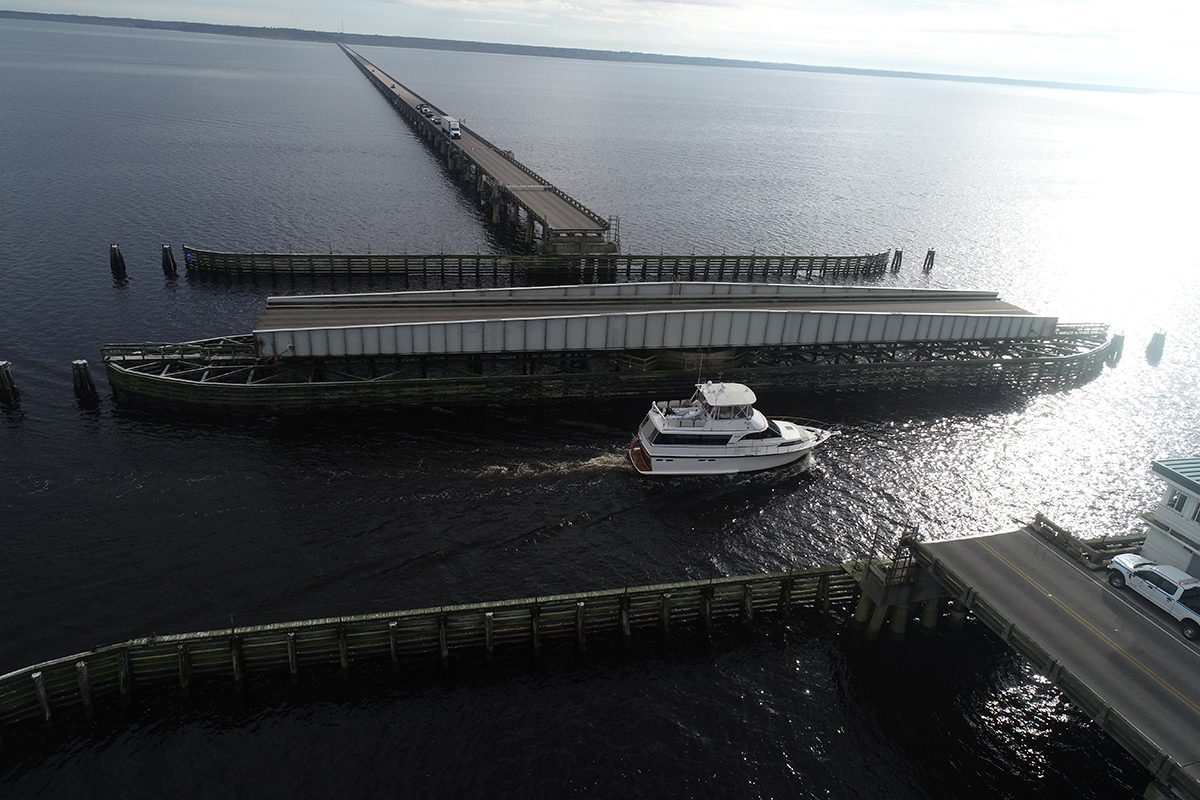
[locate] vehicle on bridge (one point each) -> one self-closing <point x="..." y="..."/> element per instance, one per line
<point x="450" y="125"/>
<point x="1169" y="588"/>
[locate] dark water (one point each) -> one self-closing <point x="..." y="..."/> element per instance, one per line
<point x="117" y="523"/>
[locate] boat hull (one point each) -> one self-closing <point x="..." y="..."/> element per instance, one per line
<point x="661" y="465"/>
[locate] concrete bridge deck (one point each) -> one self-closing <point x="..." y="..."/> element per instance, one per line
<point x="1115" y="655"/>
<point x="559" y="214"/>
<point x="613" y="317"/>
<point x="351" y="310"/>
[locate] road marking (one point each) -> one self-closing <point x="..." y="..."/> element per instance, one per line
<point x="1187" y="701"/>
<point x="1158" y="620"/>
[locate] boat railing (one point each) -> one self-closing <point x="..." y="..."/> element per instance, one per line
<point x="808" y="423"/>
<point x="695" y="416"/>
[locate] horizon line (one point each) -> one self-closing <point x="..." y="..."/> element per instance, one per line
<point x="552" y="51"/>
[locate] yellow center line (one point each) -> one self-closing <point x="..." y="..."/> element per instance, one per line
<point x="1154" y="676"/>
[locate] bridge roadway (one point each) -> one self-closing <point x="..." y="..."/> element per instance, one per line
<point x="1126" y="650"/>
<point x="348" y="310"/>
<point x="539" y="198"/>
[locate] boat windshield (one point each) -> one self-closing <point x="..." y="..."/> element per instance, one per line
<point x="727" y="412"/>
<point x="770" y="432"/>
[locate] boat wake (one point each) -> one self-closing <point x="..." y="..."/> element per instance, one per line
<point x="536" y="469"/>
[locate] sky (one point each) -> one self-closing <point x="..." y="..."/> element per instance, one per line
<point x="1144" y="43"/>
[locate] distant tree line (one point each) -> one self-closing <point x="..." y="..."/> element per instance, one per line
<point x="300" y="35"/>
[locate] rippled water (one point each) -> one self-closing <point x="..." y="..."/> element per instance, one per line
<point x="119" y="522"/>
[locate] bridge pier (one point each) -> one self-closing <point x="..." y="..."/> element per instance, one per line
<point x="862" y="611"/>
<point x="899" y="623"/>
<point x="957" y="617"/>
<point x="929" y="616"/>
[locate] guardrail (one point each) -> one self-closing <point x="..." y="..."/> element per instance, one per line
<point x="223" y="348"/>
<point x="1092" y="554"/>
<point x="89" y="680"/>
<point x="1082" y="330"/>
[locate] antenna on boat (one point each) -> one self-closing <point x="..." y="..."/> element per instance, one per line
<point x="700" y="369"/>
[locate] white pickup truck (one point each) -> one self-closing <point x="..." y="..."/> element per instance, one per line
<point x="1169" y="588"/>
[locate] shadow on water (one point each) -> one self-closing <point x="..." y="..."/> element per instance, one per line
<point x="963" y="693"/>
<point x="548" y="417"/>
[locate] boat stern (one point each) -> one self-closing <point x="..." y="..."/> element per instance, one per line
<point x="638" y="456"/>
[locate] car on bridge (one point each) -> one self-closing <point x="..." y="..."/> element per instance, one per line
<point x="1170" y="588"/>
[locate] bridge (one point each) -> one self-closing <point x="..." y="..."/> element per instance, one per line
<point x="1113" y="654"/>
<point x="557" y="222"/>
<point x="635" y="316"/>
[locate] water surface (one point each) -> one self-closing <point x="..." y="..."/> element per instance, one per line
<point x="118" y="522"/>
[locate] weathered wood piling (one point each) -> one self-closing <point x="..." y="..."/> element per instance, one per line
<point x="169" y="267"/>
<point x="929" y="256"/>
<point x="1117" y="350"/>
<point x="109" y="675"/>
<point x="116" y="261"/>
<point x="1154" y="350"/>
<point x="8" y="387"/>
<point x="85" y="388"/>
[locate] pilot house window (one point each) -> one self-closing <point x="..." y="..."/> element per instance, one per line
<point x="1177" y="500"/>
<point x="692" y="440"/>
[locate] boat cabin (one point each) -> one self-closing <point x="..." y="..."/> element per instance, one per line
<point x="716" y="414"/>
<point x="725" y="400"/>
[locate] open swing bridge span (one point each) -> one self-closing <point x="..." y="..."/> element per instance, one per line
<point x="523" y="345"/>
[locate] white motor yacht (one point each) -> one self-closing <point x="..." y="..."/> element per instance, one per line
<point x="716" y="432"/>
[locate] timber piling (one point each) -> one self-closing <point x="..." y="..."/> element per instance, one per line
<point x="169" y="267"/>
<point x="116" y="261"/>
<point x="8" y="387"/>
<point x="1154" y="350"/>
<point x="85" y="388"/>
